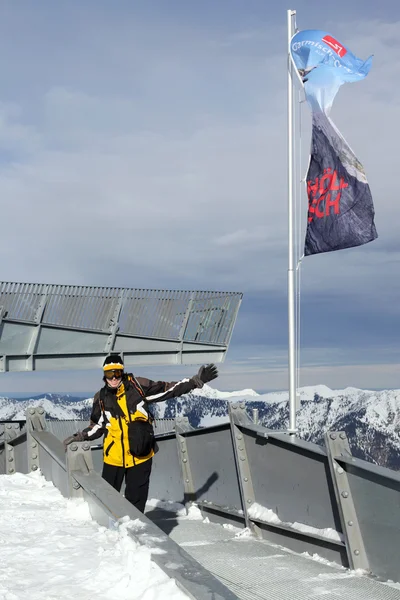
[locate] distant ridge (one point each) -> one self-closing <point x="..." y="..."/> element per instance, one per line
<point x="371" y="419"/>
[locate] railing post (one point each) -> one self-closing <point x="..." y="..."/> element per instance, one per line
<point x="336" y="445"/>
<point x="237" y="414"/>
<point x="182" y="426"/>
<point x="114" y="323"/>
<point x="3" y="312"/>
<point x="31" y="349"/>
<point x="9" y="449"/>
<point x="79" y="458"/>
<point x="35" y="421"/>
<point x="181" y="335"/>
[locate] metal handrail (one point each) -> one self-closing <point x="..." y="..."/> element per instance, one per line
<point x="52" y="445"/>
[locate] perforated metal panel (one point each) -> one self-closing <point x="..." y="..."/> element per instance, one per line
<point x="141" y="312"/>
<point x="59" y="326"/>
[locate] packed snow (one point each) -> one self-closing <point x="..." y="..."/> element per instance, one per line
<point x="193" y="513"/>
<point x="261" y="513"/>
<point x="51" y="548"/>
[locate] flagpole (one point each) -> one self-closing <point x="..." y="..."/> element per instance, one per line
<point x="291" y="235"/>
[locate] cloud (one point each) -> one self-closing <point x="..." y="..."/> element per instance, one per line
<point x="202" y="178"/>
<point x="153" y="155"/>
<point x="86" y="181"/>
<point x="372" y="376"/>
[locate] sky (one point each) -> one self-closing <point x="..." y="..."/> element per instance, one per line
<point x="143" y="144"/>
<point x="37" y="521"/>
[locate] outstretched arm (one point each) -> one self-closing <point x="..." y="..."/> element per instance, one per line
<point x="158" y="391"/>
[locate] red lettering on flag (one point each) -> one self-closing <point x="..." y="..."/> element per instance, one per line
<point x="324" y="193"/>
<point x="334" y="44"/>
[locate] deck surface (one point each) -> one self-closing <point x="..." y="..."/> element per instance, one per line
<point x="258" y="570"/>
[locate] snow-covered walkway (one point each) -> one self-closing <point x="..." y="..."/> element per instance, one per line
<point x="50" y="549"/>
<point x="259" y="570"/>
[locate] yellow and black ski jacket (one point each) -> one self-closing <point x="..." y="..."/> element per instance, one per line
<point x="112" y="413"/>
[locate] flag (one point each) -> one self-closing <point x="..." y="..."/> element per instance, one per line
<point x="340" y="206"/>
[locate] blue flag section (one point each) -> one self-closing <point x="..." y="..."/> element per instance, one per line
<point x="340" y="207"/>
<point x="324" y="65"/>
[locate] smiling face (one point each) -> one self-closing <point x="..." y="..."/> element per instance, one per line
<point x="114" y="377"/>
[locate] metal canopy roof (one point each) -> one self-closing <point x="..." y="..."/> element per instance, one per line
<point x="52" y="327"/>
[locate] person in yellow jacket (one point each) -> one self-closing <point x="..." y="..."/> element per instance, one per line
<point x="120" y="412"/>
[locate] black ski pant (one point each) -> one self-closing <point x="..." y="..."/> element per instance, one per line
<point x="137" y="481"/>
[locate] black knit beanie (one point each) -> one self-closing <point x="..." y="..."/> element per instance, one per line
<point x="113" y="361"/>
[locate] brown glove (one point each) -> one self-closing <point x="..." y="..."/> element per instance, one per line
<point x="206" y="373"/>
<point x="79" y="436"/>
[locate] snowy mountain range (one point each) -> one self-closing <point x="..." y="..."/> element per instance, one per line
<point x="57" y="406"/>
<point x="371" y="419"/>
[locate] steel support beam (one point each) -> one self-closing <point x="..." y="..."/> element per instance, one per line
<point x="35" y="421"/>
<point x="11" y="432"/>
<point x="114" y="325"/>
<point x="181" y="427"/>
<point x="181" y="335"/>
<point x="337" y="445"/>
<point x="3" y="365"/>
<point x="10" y="458"/>
<point x="237" y="415"/>
<point x="79" y="459"/>
<point x="32" y="345"/>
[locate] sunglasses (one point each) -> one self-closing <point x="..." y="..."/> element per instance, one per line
<point x="117" y="373"/>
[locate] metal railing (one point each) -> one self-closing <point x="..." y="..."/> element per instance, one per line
<point x="48" y="327"/>
<point x="159" y="314"/>
<point x="73" y="473"/>
<point x="302" y="496"/>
